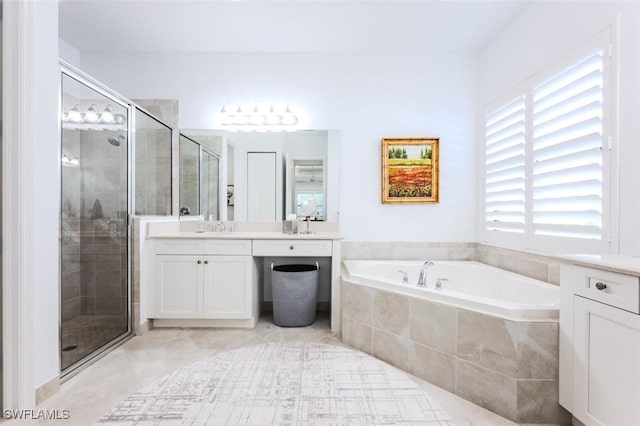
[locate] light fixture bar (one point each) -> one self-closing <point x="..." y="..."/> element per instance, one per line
<point x="259" y="118"/>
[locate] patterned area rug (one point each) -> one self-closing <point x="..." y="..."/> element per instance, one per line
<point x="282" y="384"/>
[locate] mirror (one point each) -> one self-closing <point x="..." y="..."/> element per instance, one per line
<point x="200" y="173"/>
<point x="266" y="176"/>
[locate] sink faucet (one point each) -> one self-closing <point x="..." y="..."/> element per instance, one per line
<point x="422" y="280"/>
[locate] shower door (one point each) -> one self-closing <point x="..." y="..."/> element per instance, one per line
<point x="94" y="241"/>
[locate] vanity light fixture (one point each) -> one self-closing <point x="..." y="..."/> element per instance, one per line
<point x="92" y="118"/>
<point x="259" y="119"/>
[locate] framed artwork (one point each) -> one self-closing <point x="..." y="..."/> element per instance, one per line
<point x="230" y="201"/>
<point x="410" y="170"/>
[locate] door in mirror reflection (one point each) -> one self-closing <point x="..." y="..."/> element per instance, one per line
<point x="94" y="294"/>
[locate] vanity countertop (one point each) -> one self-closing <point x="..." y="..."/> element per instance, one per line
<point x="622" y="264"/>
<point x="246" y="235"/>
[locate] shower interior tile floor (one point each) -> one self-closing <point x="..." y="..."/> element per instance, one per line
<point x="145" y="358"/>
<point x="83" y="334"/>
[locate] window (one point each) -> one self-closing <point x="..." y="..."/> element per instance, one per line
<point x="546" y="158"/>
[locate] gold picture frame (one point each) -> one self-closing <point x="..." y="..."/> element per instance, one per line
<point x="410" y="170"/>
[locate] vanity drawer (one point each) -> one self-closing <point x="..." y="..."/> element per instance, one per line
<point x="612" y="288"/>
<point x="313" y="248"/>
<point x="179" y="246"/>
<point x="227" y="247"/>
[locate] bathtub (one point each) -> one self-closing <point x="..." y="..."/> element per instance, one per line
<point x="465" y="284"/>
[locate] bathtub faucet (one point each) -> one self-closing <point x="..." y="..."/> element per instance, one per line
<point x="422" y="280"/>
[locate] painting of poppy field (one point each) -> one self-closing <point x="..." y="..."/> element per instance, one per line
<point x="410" y="170"/>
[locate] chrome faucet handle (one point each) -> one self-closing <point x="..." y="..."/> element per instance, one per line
<point x="405" y="276"/>
<point x="439" y="283"/>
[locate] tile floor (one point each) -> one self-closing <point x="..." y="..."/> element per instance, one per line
<point x="145" y="358"/>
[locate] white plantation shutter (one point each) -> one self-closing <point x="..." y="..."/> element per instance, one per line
<point x="505" y="167"/>
<point x="568" y="137"/>
<point x="548" y="157"/>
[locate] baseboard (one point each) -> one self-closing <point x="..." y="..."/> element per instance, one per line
<point x="144" y="328"/>
<point x="47" y="390"/>
<point x="179" y="323"/>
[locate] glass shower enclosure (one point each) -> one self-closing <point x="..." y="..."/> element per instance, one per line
<point x="94" y="226"/>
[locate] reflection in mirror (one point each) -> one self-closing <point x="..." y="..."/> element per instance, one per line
<point x="210" y="185"/>
<point x="308" y="186"/>
<point x="295" y="165"/>
<point x="189" y="176"/>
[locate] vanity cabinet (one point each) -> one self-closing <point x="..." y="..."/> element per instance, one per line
<point x="201" y="280"/>
<point x="600" y="346"/>
<point x="179" y="286"/>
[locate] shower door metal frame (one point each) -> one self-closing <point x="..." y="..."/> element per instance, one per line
<point x="79" y="76"/>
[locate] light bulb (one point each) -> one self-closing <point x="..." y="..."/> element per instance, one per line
<point x="91" y="115"/>
<point x="226" y="118"/>
<point x="288" y="119"/>
<point x="74" y="116"/>
<point x="272" y="119"/>
<point x="107" y="115"/>
<point x="241" y="119"/>
<point x="256" y="118"/>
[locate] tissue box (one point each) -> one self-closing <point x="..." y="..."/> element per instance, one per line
<point x="290" y="226"/>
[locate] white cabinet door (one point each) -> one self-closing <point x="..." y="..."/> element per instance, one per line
<point x="606" y="364"/>
<point x="179" y="286"/>
<point x="227" y="287"/>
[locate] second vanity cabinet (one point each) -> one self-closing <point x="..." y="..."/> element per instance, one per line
<point x="600" y="346"/>
<point x="205" y="279"/>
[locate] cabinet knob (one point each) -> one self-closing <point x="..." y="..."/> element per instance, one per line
<point x="199" y="262"/>
<point x="600" y="285"/>
<point x="290" y="247"/>
<point x="206" y="262"/>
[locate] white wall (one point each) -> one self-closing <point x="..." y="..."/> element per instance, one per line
<point x="367" y="96"/>
<point x="46" y="199"/>
<point x="543" y="33"/>
<point x="68" y="53"/>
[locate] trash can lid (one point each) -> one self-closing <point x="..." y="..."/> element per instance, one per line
<point x="295" y="268"/>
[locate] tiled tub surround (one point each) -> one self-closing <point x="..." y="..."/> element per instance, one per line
<point x="509" y="367"/>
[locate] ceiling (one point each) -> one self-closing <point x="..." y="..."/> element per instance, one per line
<point x="112" y="26"/>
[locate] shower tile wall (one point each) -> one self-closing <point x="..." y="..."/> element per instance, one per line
<point x="103" y="241"/>
<point x="153" y="161"/>
<point x="94" y="212"/>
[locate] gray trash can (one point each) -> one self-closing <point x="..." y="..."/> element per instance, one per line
<point x="294" y="290"/>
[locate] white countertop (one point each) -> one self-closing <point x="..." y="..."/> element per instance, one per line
<point x="247" y="235"/>
<point x="623" y="264"/>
